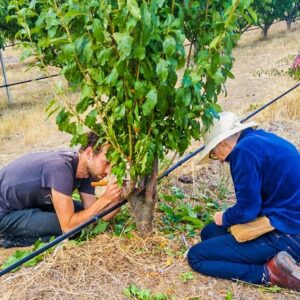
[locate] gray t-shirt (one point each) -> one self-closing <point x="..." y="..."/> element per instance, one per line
<point x="27" y="182"/>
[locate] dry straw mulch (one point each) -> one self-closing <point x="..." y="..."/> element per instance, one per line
<point x="105" y="266"/>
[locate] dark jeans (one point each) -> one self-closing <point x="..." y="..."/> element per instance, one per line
<point x="24" y="227"/>
<point x="220" y="255"/>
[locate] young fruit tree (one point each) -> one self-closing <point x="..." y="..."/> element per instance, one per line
<point x="140" y="89"/>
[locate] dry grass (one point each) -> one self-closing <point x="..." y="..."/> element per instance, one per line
<point x="24" y="125"/>
<point x="102" y="268"/>
<point x="286" y="109"/>
<point x="254" y="55"/>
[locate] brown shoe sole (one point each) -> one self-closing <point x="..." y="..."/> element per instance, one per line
<point x="288" y="263"/>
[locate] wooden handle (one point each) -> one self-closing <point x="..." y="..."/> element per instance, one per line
<point x="99" y="183"/>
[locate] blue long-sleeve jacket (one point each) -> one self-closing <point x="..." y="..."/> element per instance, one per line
<point x="266" y="174"/>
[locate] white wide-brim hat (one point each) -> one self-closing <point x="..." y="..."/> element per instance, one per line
<point x="227" y="125"/>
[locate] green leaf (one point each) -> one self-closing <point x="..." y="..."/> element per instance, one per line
<point x="112" y="77"/>
<point x="186" y="98"/>
<point x="169" y="46"/>
<point x="86" y="91"/>
<point x="87" y="52"/>
<point x="98" y="30"/>
<point x="97" y="74"/>
<point x="214" y="43"/>
<point x="74" y="13"/>
<point x="50" y="105"/>
<point x="124" y="41"/>
<point x="253" y="14"/>
<point x="25" y="54"/>
<point x="162" y="70"/>
<point x="195" y="77"/>
<point x="84" y="49"/>
<point x="134" y="9"/>
<point x="119" y="112"/>
<point x="151" y="100"/>
<point x="91" y="119"/>
<point x="194" y="221"/>
<point x="160" y="3"/>
<point x="146" y="14"/>
<point x="139" y="53"/>
<point x="82" y="105"/>
<point x="100" y="227"/>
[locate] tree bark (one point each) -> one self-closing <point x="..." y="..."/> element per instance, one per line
<point x="142" y="203"/>
<point x="265" y="33"/>
<point x="289" y="24"/>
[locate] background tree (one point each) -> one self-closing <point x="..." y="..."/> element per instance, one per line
<point x="290" y="11"/>
<point x="138" y="88"/>
<point x="2" y="20"/>
<point x="267" y="12"/>
<point x="8" y="29"/>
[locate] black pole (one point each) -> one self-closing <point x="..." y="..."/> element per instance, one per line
<point x="189" y="156"/>
<point x="61" y="238"/>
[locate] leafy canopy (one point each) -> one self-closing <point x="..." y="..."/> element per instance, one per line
<point x="139" y="89"/>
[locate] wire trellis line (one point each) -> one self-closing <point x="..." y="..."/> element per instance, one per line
<point x="27" y="81"/>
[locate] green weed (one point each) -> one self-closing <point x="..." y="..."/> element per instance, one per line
<point x="76" y="196"/>
<point x="134" y="292"/>
<point x="271" y="289"/>
<point x="294" y="73"/>
<point x="92" y="231"/>
<point x="20" y="254"/>
<point x="178" y="215"/>
<point x="187" y="276"/>
<point x="229" y="295"/>
<point x="123" y="223"/>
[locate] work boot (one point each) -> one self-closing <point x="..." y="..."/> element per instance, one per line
<point x="284" y="271"/>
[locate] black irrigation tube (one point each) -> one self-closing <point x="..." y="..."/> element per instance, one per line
<point x="29" y="80"/>
<point x="106" y="212"/>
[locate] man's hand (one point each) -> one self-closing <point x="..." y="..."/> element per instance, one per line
<point x="112" y="193"/>
<point x="218" y="218"/>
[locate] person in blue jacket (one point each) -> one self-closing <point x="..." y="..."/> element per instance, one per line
<point x="265" y="170"/>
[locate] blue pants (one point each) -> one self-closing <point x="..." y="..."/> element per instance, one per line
<point x="24" y="227"/>
<point x="220" y="255"/>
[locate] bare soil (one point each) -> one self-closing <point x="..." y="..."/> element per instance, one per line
<point x="103" y="267"/>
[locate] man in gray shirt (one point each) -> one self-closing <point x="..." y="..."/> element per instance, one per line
<point x="36" y="193"/>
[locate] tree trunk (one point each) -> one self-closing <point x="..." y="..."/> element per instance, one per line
<point x="289" y="24"/>
<point x="265" y="33"/>
<point x="142" y="203"/>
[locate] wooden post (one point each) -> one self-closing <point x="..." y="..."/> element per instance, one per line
<point x="9" y="97"/>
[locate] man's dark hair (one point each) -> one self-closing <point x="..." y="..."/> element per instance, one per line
<point x="93" y="140"/>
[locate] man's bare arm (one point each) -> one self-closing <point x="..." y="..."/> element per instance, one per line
<point x="70" y="219"/>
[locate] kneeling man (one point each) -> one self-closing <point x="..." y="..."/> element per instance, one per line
<point x="36" y="193"/>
